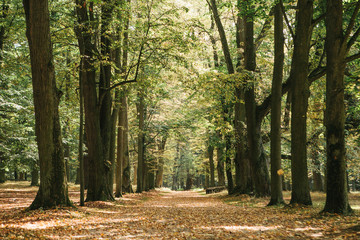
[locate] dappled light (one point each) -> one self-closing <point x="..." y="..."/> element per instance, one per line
<point x="170" y="214"/>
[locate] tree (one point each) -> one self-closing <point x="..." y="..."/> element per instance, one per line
<point x="276" y="171"/>
<point x="53" y="190"/>
<point x="97" y="143"/>
<point x="337" y="47"/>
<point x="299" y="103"/>
<point x="253" y="118"/>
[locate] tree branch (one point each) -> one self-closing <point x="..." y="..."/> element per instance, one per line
<point x="287" y="20"/>
<point x="265" y="28"/>
<point x="352" y="57"/>
<point x="263" y="109"/>
<point x="353" y="39"/>
<point x="352" y="21"/>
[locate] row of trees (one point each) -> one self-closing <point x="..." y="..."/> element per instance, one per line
<point x="338" y="45"/>
<point x="131" y="65"/>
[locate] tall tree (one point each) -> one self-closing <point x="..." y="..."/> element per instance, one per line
<point x="226" y="107"/>
<point x="253" y="119"/>
<point x="275" y="148"/>
<point x="53" y="190"/>
<point x="141" y="143"/>
<point x="98" y="186"/>
<point x="337" y="47"/>
<point x="300" y="94"/>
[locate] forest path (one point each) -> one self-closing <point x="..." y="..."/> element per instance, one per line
<point x="169" y="215"/>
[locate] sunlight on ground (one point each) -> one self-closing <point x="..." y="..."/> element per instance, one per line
<point x="242" y="228"/>
<point x="355" y="207"/>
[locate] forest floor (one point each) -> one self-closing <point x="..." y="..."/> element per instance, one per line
<point x="165" y="214"/>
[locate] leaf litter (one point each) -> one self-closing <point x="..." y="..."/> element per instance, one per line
<point x="164" y="214"/>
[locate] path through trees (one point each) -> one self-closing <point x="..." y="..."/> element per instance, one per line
<point x="170" y="215"/>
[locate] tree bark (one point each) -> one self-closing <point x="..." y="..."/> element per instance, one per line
<point x="300" y="92"/>
<point x="242" y="162"/>
<point x="98" y="187"/>
<point x="220" y="162"/>
<point x="257" y="157"/>
<point x="141" y="145"/>
<point x="275" y="146"/>
<point x="336" y="50"/>
<point x="53" y="190"/>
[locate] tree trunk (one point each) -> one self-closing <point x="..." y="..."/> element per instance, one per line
<point x="318" y="183"/>
<point x="99" y="168"/>
<point x="300" y="92"/>
<point x="80" y="176"/>
<point x="105" y="99"/>
<point x="126" y="181"/>
<point x="120" y="147"/>
<point x="211" y="169"/>
<point x="257" y="158"/>
<point x="275" y="148"/>
<point x="220" y="163"/>
<point x="2" y="168"/>
<point x="53" y="190"/>
<point x="35" y="175"/>
<point x="141" y="143"/>
<point x="336" y="49"/>
<point x="160" y="168"/>
<point x="228" y="163"/>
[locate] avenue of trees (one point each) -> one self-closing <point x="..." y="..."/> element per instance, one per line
<point x="127" y="96"/>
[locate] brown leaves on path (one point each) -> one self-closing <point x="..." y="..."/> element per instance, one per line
<point x="170" y="215"/>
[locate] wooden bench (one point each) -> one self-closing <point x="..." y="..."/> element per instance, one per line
<point x="215" y="189"/>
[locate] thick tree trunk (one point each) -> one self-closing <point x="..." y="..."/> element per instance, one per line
<point x="275" y="146"/>
<point x="300" y="92"/>
<point x="336" y="49"/>
<point x="105" y="99"/>
<point x="98" y="168"/>
<point x="242" y="163"/>
<point x="53" y="190"/>
<point x="257" y="158"/>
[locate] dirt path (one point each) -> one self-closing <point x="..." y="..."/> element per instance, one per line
<point x="166" y="215"/>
